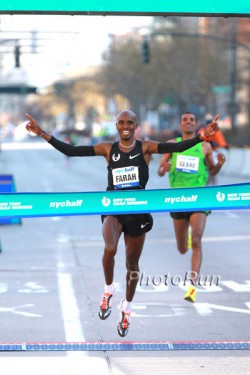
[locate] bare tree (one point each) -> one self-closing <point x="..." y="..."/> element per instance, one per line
<point x="180" y="71"/>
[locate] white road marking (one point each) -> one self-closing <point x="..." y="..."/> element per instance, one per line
<point x="175" y="310"/>
<point x="75" y="362"/>
<point x="3" y="287"/>
<point x="70" y="310"/>
<point x="237" y="287"/>
<point x="207" y="308"/>
<point x="15" y="310"/>
<point x="203" y="289"/>
<point x="232" y="215"/>
<point x="33" y="287"/>
<point x="63" y="239"/>
<point x="162" y="288"/>
<point x="52" y="366"/>
<point x="227" y="238"/>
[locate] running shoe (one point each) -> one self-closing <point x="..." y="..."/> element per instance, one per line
<point x="191" y="294"/>
<point x="106" y="305"/>
<point x="124" y="322"/>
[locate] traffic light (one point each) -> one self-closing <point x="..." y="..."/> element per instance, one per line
<point x="145" y="51"/>
<point x="17" y="56"/>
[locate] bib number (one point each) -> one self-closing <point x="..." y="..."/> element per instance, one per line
<point x="187" y="164"/>
<point x="126" y="177"/>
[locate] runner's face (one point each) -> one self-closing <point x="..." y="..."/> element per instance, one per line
<point x="188" y="124"/>
<point x="126" y="125"/>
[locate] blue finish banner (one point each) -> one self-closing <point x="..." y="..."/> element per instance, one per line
<point x="220" y="197"/>
<point x="7" y="185"/>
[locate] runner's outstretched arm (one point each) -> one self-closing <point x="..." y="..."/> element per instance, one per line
<point x="169" y="147"/>
<point x="65" y="148"/>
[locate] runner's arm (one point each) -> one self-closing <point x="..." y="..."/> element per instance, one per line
<point x="211" y="129"/>
<point x="164" y="165"/>
<point x="70" y="150"/>
<point x="169" y="147"/>
<point x="213" y="168"/>
<point x="65" y="148"/>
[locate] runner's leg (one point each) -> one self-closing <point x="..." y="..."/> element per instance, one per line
<point x="198" y="222"/>
<point x="134" y="246"/>
<point x="181" y="234"/>
<point x="111" y="230"/>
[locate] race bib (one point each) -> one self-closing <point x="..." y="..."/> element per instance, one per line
<point x="187" y="164"/>
<point x="126" y="177"/>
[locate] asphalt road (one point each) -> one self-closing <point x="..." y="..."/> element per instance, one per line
<point x="52" y="281"/>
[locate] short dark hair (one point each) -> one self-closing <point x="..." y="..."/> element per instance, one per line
<point x="190" y="113"/>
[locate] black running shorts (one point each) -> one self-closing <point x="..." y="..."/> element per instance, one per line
<point x="134" y="224"/>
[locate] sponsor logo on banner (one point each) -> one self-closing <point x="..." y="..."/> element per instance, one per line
<point x="106" y="201"/>
<point x="128" y="202"/>
<point x="67" y="203"/>
<point x="123" y="202"/>
<point x="181" y="199"/>
<point x="220" y="196"/>
<point x="232" y="196"/>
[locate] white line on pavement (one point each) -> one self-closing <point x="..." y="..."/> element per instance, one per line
<point x="70" y="310"/>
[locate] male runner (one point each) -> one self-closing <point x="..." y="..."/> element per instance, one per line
<point x="127" y="162"/>
<point x="190" y="169"/>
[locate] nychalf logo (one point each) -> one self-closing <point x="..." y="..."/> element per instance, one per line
<point x="67" y="203"/>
